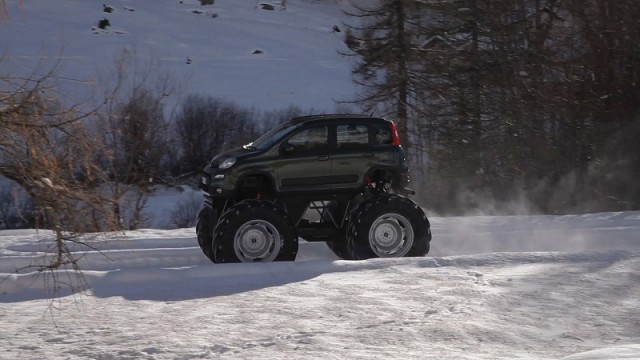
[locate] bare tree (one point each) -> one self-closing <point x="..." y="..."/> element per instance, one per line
<point x="56" y="149"/>
<point x="46" y="149"/>
<point x="133" y="129"/>
<point x="206" y="125"/>
<point x="16" y="207"/>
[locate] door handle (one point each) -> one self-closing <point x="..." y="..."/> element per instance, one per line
<point x="368" y="155"/>
<point x="323" y="158"/>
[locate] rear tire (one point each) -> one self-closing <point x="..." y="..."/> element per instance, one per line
<point x="205" y="223"/>
<point x="338" y="245"/>
<point x="388" y="225"/>
<point x="254" y="231"/>
<point x="334" y="212"/>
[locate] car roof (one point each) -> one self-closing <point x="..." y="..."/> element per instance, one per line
<point x="324" y="117"/>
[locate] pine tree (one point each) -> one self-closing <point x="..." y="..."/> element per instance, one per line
<point x="384" y="41"/>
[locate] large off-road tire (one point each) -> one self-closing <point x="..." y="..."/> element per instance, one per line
<point x="388" y="225"/>
<point x="338" y="245"/>
<point x="205" y="223"/>
<point x="254" y="231"/>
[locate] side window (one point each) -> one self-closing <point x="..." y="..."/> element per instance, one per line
<point x="352" y="136"/>
<point x="383" y="135"/>
<point x="311" y="139"/>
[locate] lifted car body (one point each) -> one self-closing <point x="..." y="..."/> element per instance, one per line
<point x="315" y="169"/>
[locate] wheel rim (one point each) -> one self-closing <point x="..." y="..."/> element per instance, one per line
<point x="257" y="240"/>
<point x="391" y="235"/>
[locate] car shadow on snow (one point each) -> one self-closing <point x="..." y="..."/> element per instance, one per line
<point x="162" y="284"/>
<point x="205" y="281"/>
<point x="167" y="275"/>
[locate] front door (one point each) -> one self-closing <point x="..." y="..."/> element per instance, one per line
<point x="304" y="162"/>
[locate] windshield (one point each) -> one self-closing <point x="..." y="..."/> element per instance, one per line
<point x="271" y="137"/>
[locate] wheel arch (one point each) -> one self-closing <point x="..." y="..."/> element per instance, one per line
<point x="255" y="185"/>
<point x="383" y="173"/>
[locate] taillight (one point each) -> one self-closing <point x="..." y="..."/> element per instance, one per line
<point x="395" y="138"/>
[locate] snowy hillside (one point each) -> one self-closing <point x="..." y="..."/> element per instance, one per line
<point x="234" y="49"/>
<point x="153" y="295"/>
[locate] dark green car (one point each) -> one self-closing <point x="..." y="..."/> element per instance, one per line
<point x="308" y="178"/>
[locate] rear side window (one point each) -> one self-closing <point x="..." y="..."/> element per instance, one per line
<point x="352" y="136"/>
<point x="383" y="134"/>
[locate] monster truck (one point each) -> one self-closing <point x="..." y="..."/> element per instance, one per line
<point x="341" y="179"/>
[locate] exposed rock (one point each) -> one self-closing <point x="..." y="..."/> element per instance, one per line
<point x="265" y="6"/>
<point x="104" y="23"/>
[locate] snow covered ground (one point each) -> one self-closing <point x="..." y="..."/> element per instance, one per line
<point x="520" y="287"/>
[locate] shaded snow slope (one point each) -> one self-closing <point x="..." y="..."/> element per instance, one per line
<point x="232" y="49"/>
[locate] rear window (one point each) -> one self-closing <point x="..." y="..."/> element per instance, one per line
<point x="383" y="134"/>
<point x="352" y="136"/>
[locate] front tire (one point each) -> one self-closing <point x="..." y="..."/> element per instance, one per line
<point x="388" y="225"/>
<point x="254" y="231"/>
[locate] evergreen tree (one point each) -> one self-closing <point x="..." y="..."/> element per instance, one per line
<point x="383" y="38"/>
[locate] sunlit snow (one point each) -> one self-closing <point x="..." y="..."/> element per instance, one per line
<point x="151" y="294"/>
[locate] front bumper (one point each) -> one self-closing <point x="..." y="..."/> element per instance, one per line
<point x="216" y="184"/>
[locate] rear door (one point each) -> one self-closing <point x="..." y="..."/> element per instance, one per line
<point x="352" y="156"/>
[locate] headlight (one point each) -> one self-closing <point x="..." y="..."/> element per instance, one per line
<point x="227" y="163"/>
